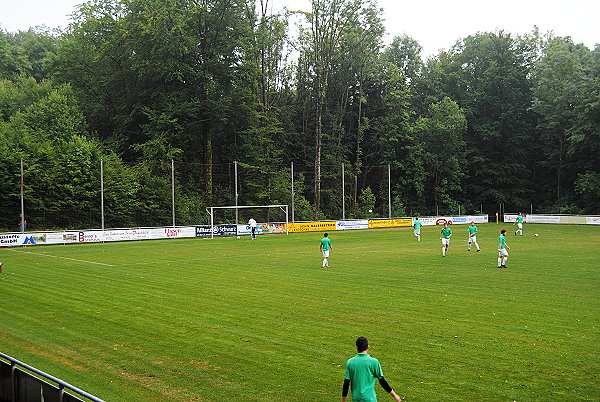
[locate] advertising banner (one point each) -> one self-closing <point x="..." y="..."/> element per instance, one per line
<point x="542" y="218"/>
<point x="347" y="225"/>
<point x="592" y="220"/>
<point x="312" y="226"/>
<point x="262" y="228"/>
<point x="220" y="230"/>
<point x="272" y="228"/>
<point x="511" y="217"/>
<point x="428" y="221"/>
<point x="390" y="223"/>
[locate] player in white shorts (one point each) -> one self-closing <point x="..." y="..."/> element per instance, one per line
<point x="502" y="249"/>
<point x="445" y="235"/>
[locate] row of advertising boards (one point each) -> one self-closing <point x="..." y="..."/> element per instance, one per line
<point x="95" y="236"/>
<point x="556" y="219"/>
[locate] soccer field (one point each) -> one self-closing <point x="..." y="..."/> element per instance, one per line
<point x="228" y="319"/>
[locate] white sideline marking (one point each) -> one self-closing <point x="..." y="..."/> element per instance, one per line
<point x="64" y="258"/>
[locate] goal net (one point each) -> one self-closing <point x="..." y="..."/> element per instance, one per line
<point x="267" y="217"/>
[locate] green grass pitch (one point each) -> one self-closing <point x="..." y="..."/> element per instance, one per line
<point x="228" y="319"/>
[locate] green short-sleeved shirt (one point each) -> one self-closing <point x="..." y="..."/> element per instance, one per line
<point x="519" y="219"/>
<point x="501" y="242"/>
<point x="446" y="232"/>
<point x="472" y="230"/>
<point x="417" y="225"/>
<point x="326" y="243"/>
<point x="363" y="370"/>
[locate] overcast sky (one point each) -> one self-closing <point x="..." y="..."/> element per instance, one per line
<point x="436" y="24"/>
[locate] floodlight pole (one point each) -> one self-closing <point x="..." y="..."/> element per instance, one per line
<point x="390" y="191"/>
<point x="22" y="201"/>
<point x="292" y="191"/>
<point x="102" y="194"/>
<point x="343" y="195"/>
<point x="212" y="232"/>
<point x="236" y="191"/>
<point x="173" y="189"/>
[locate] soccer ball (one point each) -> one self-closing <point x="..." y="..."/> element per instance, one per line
<point x="239" y="237"/>
<point x="536" y="235"/>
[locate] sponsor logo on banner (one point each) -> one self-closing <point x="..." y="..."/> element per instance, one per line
<point x="312" y="226"/>
<point x="428" y="221"/>
<point x="542" y="219"/>
<point x="272" y="228"/>
<point x="220" y="230"/>
<point x="459" y="219"/>
<point x="390" y="223"/>
<point x="347" y="225"/>
<point x="172" y="232"/>
<point x="592" y="220"/>
<point x="29" y="240"/>
<point x="441" y="221"/>
<point x="89" y="237"/>
<point x="68" y="237"/>
<point x="9" y="240"/>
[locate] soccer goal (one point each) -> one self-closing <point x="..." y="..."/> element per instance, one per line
<point x="248" y="209"/>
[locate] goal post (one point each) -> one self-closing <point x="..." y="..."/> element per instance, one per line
<point x="211" y="211"/>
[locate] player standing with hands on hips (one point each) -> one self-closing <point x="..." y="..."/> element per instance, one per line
<point x="361" y="372"/>
<point x="252" y="223"/>
<point x="445" y="235"/>
<point x="325" y="248"/>
<point x="473" y="236"/>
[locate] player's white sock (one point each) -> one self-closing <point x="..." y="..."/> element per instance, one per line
<point x="504" y="260"/>
<point x="418" y="237"/>
<point x="444" y="251"/>
<point x="325" y="262"/>
<point x="499" y="261"/>
<point x="477" y="245"/>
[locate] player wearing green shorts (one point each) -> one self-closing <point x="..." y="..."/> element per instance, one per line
<point x="417" y="225"/>
<point x="325" y="249"/>
<point x="473" y="236"/>
<point x="519" y="223"/>
<point x="502" y="249"/>
<point x="445" y="235"/>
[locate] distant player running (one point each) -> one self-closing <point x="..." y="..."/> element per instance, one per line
<point x="502" y="249"/>
<point x="326" y="248"/>
<point x="473" y="236"/>
<point x="445" y="235"/>
<point x="417" y="225"/>
<point x="519" y="223"/>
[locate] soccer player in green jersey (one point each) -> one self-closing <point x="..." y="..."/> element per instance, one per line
<point x="502" y="249"/>
<point x="445" y="235"/>
<point x="519" y="223"/>
<point x="473" y="236"/>
<point x="361" y="372"/>
<point x="326" y="248"/>
<point x="417" y="225"/>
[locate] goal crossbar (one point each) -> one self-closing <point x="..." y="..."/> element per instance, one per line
<point x="211" y="212"/>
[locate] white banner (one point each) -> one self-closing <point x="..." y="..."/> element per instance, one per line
<point x="533" y="218"/>
<point x="346" y="225"/>
<point x="592" y="220"/>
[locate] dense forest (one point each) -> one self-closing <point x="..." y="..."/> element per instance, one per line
<point x="497" y="118"/>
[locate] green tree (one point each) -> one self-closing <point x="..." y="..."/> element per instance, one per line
<point x="441" y="136"/>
